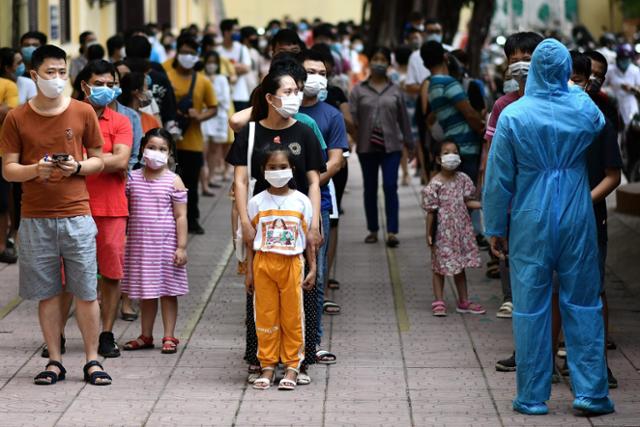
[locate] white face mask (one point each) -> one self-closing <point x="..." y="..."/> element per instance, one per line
<point x="290" y="105"/>
<point x="314" y="84"/>
<point x="511" y="85"/>
<point x="211" y="68"/>
<point x="450" y="162"/>
<point x="155" y="159"/>
<point x="520" y="69"/>
<point x="187" y="61"/>
<point x="278" y="178"/>
<point x="123" y="52"/>
<point x="51" y="88"/>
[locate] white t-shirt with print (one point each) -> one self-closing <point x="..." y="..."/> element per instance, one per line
<point x="238" y="54"/>
<point x="281" y="222"/>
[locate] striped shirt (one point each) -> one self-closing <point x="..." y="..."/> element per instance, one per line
<point x="149" y="269"/>
<point x="444" y="93"/>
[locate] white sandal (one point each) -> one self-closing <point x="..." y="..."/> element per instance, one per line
<point x="505" y="311"/>
<point x="264" y="383"/>
<point x="287" y="384"/>
<point x="303" y="379"/>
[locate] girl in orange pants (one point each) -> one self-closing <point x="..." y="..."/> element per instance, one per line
<point x="276" y="269"/>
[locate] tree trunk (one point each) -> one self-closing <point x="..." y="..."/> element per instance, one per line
<point x="480" y="22"/>
<point x="449" y="17"/>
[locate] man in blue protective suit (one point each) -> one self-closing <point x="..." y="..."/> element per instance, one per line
<point x="537" y="165"/>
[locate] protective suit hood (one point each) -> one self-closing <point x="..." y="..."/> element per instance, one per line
<point x="550" y="69"/>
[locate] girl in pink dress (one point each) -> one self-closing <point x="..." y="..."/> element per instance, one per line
<point x="447" y="200"/>
<point x="156" y="255"/>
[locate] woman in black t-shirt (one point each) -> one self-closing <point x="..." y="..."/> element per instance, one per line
<point x="274" y="103"/>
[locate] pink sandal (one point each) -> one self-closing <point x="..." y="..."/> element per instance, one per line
<point x="470" y="307"/>
<point x="439" y="308"/>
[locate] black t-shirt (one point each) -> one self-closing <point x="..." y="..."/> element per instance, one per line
<point x="299" y="138"/>
<point x="601" y="155"/>
<point x="335" y="97"/>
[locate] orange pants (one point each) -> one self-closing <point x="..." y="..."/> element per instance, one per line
<point x="278" y="308"/>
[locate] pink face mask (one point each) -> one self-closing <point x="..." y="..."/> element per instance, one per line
<point x="155" y="159"/>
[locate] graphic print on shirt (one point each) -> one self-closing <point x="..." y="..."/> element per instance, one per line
<point x="279" y="234"/>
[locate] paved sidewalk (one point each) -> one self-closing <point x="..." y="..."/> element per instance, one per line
<point x="397" y="364"/>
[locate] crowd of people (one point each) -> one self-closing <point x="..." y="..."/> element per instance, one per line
<point x="155" y="121"/>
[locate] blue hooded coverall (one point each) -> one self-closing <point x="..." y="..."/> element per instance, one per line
<point x="537" y="167"/>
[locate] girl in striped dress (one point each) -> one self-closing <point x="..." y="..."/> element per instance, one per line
<point x="156" y="256"/>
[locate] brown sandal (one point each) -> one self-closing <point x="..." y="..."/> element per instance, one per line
<point x="140" y="343"/>
<point x="169" y="345"/>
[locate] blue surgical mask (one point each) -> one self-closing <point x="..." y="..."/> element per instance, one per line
<point x="20" y="70"/>
<point x="27" y="52"/>
<point x="624" y="63"/>
<point x="322" y="95"/>
<point x="148" y="80"/>
<point x="102" y="96"/>
<point x="235" y="37"/>
<point x="434" y="37"/>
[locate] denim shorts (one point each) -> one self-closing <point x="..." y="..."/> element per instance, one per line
<point x="48" y="244"/>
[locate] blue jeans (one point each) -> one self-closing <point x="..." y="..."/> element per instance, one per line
<point x="321" y="275"/>
<point x="390" y="163"/>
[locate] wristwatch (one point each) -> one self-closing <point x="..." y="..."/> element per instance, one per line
<point x="77" y="169"/>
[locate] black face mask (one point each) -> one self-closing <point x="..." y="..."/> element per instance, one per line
<point x="594" y="85"/>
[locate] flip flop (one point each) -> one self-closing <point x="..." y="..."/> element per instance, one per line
<point x="330" y="307"/>
<point x="326" y="357"/>
<point x="333" y="284"/>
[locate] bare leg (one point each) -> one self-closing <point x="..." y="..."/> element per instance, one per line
<point x="225" y="165"/>
<point x="110" y="290"/>
<point x="438" y="286"/>
<point x="215" y="160"/>
<point x="404" y="164"/>
<point x="51" y="321"/>
<point x="205" y="172"/>
<point x="64" y="303"/>
<point x="88" y="317"/>
<point x="169" y="315"/>
<point x="461" y="285"/>
<point x="127" y="304"/>
<point x="148" y="310"/>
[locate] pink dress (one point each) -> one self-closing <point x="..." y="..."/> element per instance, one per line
<point x="149" y="271"/>
<point x="455" y="246"/>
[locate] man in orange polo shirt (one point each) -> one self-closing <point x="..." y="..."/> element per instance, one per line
<point x="107" y="193"/>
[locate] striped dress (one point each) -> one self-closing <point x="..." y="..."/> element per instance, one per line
<point x="149" y="270"/>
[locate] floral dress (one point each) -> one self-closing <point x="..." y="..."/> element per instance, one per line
<point x="455" y="247"/>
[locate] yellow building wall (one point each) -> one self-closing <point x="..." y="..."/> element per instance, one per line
<point x="259" y="12"/>
<point x="597" y="15"/>
<point x="5" y="23"/>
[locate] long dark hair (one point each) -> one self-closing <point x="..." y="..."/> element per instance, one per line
<point x="270" y="84"/>
<point x="7" y="57"/>
<point x="129" y="84"/>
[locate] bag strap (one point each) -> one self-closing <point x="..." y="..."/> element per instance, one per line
<point x="193" y="84"/>
<point x="252" y="137"/>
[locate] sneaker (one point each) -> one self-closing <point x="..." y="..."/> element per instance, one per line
<point x="108" y="346"/>
<point x="505" y="311"/>
<point x="507" y="365"/>
<point x="196" y="228"/>
<point x="470" y="307"/>
<point x="63" y="349"/>
<point x="8" y="256"/>
<point x="613" y="382"/>
<point x="392" y="241"/>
